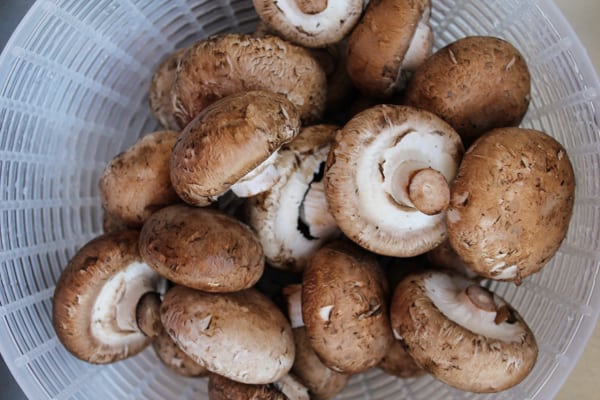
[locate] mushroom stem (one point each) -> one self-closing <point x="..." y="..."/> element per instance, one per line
<point x="293" y="297"/>
<point x="311" y="6"/>
<point x="479" y="297"/>
<point x="147" y="314"/>
<point x="314" y="212"/>
<point x="414" y="184"/>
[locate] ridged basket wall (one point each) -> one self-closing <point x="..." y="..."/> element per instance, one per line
<point x="73" y="93"/>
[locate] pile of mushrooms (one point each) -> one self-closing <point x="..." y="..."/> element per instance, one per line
<point x="265" y="177"/>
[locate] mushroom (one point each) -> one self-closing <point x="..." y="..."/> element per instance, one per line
<point x="511" y="203"/>
<point x="310" y="23"/>
<point x="96" y="308"/>
<point x="475" y="84"/>
<point x="392" y="39"/>
<point x="225" y="64"/>
<point x="462" y="333"/>
<point x="201" y="248"/>
<point x="160" y="95"/>
<point x="322" y="383"/>
<point x="241" y="335"/>
<point x="444" y="256"/>
<point x="174" y="358"/>
<point x="386" y="179"/>
<point x="344" y="308"/>
<point x="398" y="362"/>
<point x="292" y="219"/>
<point x="340" y="90"/>
<point x="233" y="145"/>
<point x="287" y="388"/>
<point x="136" y="183"/>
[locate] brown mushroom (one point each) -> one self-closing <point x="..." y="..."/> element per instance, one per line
<point x="287" y="388"/>
<point x="310" y="23"/>
<point x="391" y="40"/>
<point x="511" y="203"/>
<point x="475" y="84"/>
<point x="174" y="358"/>
<point x="462" y="333"/>
<point x="399" y="363"/>
<point x="222" y="65"/>
<point x="232" y="144"/>
<point x="322" y="382"/>
<point x="201" y="248"/>
<point x="161" y="86"/>
<point x="136" y="183"/>
<point x="386" y="179"/>
<point x="292" y="219"/>
<point x="344" y="308"/>
<point x="242" y="335"/>
<point x="95" y="308"/>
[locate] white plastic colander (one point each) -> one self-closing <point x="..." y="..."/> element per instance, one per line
<point x="74" y="81"/>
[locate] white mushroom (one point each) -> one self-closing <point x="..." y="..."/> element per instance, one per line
<point x="292" y="219"/>
<point x="387" y="178"/>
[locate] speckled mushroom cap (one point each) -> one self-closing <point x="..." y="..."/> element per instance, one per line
<point x="287" y="388"/>
<point x="221" y="388"/>
<point x="174" y="358"/>
<point x="229" y="140"/>
<point x="137" y="182"/>
<point x="242" y="335"/>
<point x="225" y="64"/>
<point x="361" y="171"/>
<point x="292" y="219"/>
<point x="399" y="363"/>
<point x="96" y="296"/>
<point x="323" y="383"/>
<point x="511" y="203"/>
<point x="201" y="248"/>
<point x="310" y="23"/>
<point x="461" y="333"/>
<point x="160" y="95"/>
<point x="475" y="84"/>
<point x="344" y="307"/>
<point x="378" y="48"/>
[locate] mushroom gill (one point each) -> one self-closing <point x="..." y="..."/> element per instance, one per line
<point x="473" y="307"/>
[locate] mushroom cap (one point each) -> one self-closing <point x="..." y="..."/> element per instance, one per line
<point x="511" y="203"/>
<point x="475" y="84"/>
<point x="225" y="64"/>
<point x="137" y="182"/>
<point x="222" y="388"/>
<point x="174" y="358"/>
<point x="287" y="238"/>
<point x="242" y="335"/>
<point x="466" y="349"/>
<point x="161" y="86"/>
<point x="310" y="28"/>
<point x="322" y="382"/>
<point x="379" y="42"/>
<point x="202" y="248"/>
<point x="344" y="308"/>
<point x="399" y="363"/>
<point x="359" y="171"/>
<point x="94" y="303"/>
<point x="227" y="141"/>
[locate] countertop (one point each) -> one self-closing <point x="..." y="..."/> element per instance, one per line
<point x="583" y="16"/>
